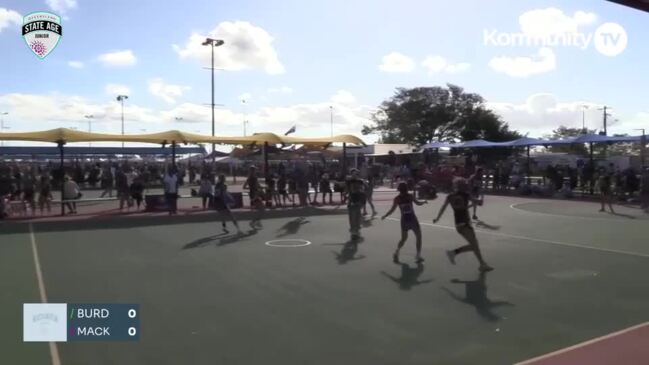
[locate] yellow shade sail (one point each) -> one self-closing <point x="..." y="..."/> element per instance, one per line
<point x="66" y="135"/>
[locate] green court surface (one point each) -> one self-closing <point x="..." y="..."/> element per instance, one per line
<point x="564" y="274"/>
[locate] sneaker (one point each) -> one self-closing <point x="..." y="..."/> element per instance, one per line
<point x="485" y="268"/>
<point x="395" y="258"/>
<point x="475" y="217"/>
<point x="419" y="259"/>
<point x="225" y="230"/>
<point x="451" y="256"/>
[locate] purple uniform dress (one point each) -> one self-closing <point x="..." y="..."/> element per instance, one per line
<point x="409" y="220"/>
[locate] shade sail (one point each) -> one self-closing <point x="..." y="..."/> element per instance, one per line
<point x="437" y="145"/>
<point x="525" y="141"/>
<point x="179" y="137"/>
<point x="478" y="143"/>
<point x="341" y="138"/>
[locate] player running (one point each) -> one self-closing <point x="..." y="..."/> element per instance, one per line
<point x="355" y="191"/>
<point x="605" y="191"/>
<point x="477" y="195"/>
<point x="222" y="201"/>
<point x="409" y="220"/>
<point x="460" y="201"/>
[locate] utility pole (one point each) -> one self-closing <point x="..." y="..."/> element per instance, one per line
<point x="605" y="117"/>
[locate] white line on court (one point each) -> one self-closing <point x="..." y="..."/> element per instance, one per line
<point x="583" y="344"/>
<point x="515" y="207"/>
<point x="558" y="243"/>
<point x="54" y="351"/>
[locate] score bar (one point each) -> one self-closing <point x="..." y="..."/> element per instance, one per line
<point x="62" y="322"/>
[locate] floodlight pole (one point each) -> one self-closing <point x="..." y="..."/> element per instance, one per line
<point x="643" y="143"/>
<point x="60" y="145"/>
<point x="331" y="119"/>
<point x="2" y="125"/>
<point x="213" y="43"/>
<point x="89" y="118"/>
<point x="121" y="99"/>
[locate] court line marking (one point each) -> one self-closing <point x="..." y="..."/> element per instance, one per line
<point x="514" y="207"/>
<point x="54" y="351"/>
<point x="272" y="243"/>
<point x="583" y="344"/>
<point x="558" y="243"/>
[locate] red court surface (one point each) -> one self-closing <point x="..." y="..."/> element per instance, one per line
<point x="627" y="347"/>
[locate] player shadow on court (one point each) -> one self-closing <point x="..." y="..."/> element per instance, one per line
<point x="368" y="222"/>
<point x="628" y="216"/>
<point x="409" y="276"/>
<point x="292" y="227"/>
<point x="348" y="253"/>
<point x="221" y="239"/>
<point x="481" y="224"/>
<point x="476" y="295"/>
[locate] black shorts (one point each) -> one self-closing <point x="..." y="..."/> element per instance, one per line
<point x="461" y="227"/>
<point x="220" y="205"/>
<point x="408" y="224"/>
<point x="28" y="195"/>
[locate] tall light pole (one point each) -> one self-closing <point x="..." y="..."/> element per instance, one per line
<point x="643" y="144"/>
<point x="605" y="117"/>
<point x="331" y="119"/>
<point x="245" y="115"/>
<point x="121" y="99"/>
<point x="2" y="125"/>
<point x="583" y="118"/>
<point x="213" y="43"/>
<point x="89" y="117"/>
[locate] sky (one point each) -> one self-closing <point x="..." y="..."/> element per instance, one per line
<point x="290" y="62"/>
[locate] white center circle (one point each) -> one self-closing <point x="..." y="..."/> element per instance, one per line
<point x="288" y="242"/>
<point x="610" y="39"/>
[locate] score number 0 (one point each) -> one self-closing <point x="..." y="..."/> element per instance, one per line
<point x="132" y="313"/>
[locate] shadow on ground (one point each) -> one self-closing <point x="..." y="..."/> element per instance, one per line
<point x="220" y="239"/>
<point x="475" y="294"/>
<point x="161" y="219"/>
<point x="409" y="276"/>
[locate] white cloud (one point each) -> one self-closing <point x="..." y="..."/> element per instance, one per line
<point x="245" y="96"/>
<point x="437" y="64"/>
<point x="246" y="47"/>
<point x="544" y="61"/>
<point x="343" y="97"/>
<point x="280" y="90"/>
<point x="551" y="21"/>
<point x="543" y="112"/>
<point x="37" y="112"/>
<point x="122" y="58"/>
<point x="75" y="64"/>
<point x="166" y="92"/>
<point x="61" y="6"/>
<point x="9" y="18"/>
<point x="397" y="62"/>
<point x="117" y="89"/>
<point x="458" y="67"/>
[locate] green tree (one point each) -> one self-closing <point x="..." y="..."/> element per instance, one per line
<point x="624" y="148"/>
<point x="424" y="114"/>
<point x="564" y="132"/>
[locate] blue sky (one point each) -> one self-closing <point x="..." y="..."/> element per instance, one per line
<point x="291" y="60"/>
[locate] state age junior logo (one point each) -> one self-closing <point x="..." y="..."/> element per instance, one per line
<point x="42" y="31"/>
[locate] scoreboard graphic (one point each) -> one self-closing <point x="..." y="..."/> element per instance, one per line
<point x="63" y="322"/>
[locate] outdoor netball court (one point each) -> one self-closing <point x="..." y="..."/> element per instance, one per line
<point x="565" y="274"/>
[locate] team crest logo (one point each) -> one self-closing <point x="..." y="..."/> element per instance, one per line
<point x="42" y="32"/>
